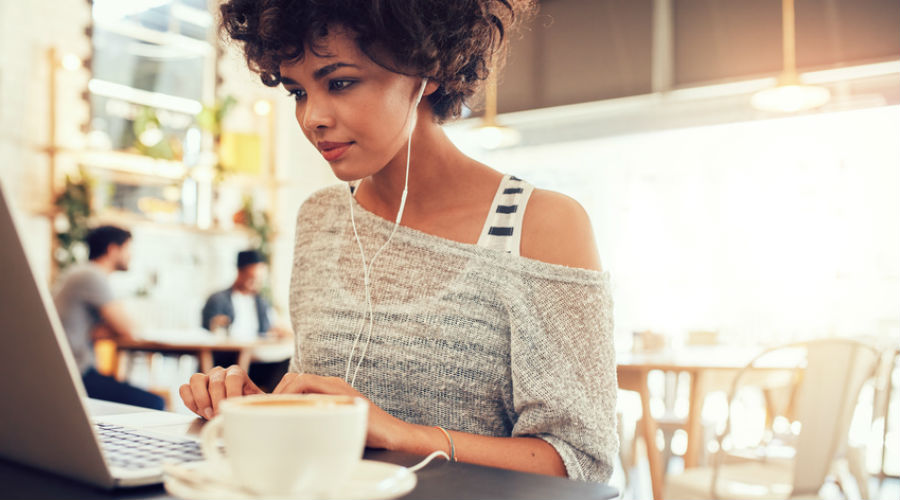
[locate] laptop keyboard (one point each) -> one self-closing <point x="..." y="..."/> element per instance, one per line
<point x="130" y="449"/>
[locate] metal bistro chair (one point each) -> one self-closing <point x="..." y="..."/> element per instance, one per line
<point x="795" y="460"/>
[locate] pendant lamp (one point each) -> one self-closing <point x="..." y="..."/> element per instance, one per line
<point x="790" y="95"/>
<point x="492" y="135"/>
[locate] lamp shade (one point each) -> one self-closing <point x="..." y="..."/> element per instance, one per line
<point x="790" y="95"/>
<point x="497" y="136"/>
<point x="790" y="98"/>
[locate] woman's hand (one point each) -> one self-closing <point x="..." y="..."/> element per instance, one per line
<point x="205" y="390"/>
<point x="384" y="431"/>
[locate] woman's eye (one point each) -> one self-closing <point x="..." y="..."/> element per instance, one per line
<point x="341" y="84"/>
<point x="297" y="94"/>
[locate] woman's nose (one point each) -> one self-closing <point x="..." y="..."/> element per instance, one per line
<point x="315" y="114"/>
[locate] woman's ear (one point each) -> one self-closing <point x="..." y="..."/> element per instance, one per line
<point x="431" y="87"/>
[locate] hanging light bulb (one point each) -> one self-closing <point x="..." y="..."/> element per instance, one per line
<point x="790" y="98"/>
<point x="151" y="136"/>
<point x="492" y="135"/>
<point x="790" y="95"/>
<point x="71" y="62"/>
<point x="262" y="107"/>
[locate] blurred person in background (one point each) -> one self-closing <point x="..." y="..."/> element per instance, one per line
<point x="246" y="315"/>
<point x="89" y="312"/>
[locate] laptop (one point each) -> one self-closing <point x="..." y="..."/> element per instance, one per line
<point x="46" y="418"/>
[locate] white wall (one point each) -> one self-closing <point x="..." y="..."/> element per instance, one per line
<point x="27" y="30"/>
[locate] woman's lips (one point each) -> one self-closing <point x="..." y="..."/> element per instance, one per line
<point x="331" y="151"/>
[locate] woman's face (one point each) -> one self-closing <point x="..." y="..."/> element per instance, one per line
<point x="352" y="110"/>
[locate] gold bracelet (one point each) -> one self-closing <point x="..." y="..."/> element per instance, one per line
<point x="449" y="438"/>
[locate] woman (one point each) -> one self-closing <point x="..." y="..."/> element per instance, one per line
<point x="470" y="324"/>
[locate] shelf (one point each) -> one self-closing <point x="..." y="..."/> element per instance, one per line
<point x="129" y="220"/>
<point x="135" y="164"/>
<point x="122" y="162"/>
<point x="130" y="168"/>
<point x="244" y="181"/>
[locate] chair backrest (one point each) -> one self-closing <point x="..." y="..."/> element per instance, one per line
<point x="702" y="337"/>
<point x="648" y="340"/>
<point x="834" y="371"/>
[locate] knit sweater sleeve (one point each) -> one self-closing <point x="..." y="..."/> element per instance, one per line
<point x="563" y="367"/>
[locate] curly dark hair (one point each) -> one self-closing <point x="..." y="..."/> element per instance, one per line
<point x="452" y="42"/>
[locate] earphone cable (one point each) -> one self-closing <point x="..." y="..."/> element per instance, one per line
<point x="367" y="268"/>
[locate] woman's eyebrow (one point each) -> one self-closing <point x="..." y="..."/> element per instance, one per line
<point x="320" y="73"/>
<point x="326" y="70"/>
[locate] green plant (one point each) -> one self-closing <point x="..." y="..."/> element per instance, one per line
<point x="151" y="140"/>
<point x="257" y="221"/>
<point x="210" y="119"/>
<point x="73" y="206"/>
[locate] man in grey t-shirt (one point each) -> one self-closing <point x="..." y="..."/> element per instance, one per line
<point x="88" y="310"/>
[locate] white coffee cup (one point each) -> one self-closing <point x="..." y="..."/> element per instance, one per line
<point x="280" y="445"/>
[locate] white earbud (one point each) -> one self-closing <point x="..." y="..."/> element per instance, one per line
<point x="367" y="268"/>
<point x="412" y="125"/>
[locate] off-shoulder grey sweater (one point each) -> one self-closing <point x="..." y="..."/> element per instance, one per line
<point x="465" y="337"/>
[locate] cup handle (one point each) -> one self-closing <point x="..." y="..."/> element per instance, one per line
<point x="209" y="437"/>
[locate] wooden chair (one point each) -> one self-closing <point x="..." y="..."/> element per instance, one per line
<point x="883" y="388"/>
<point x="669" y="422"/>
<point x="830" y="375"/>
<point x="109" y="361"/>
<point x="106" y="356"/>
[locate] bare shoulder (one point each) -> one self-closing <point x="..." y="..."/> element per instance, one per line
<point x="556" y="229"/>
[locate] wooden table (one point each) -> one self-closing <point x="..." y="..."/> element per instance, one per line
<point x="202" y="349"/>
<point x="711" y="368"/>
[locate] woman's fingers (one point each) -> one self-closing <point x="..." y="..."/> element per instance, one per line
<point x="199" y="384"/>
<point x="235" y="380"/>
<point x="285" y="380"/>
<point x="251" y="388"/>
<point x="206" y="390"/>
<point x="188" y="398"/>
<point x="216" y="387"/>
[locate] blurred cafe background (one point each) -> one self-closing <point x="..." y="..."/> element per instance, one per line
<point x="739" y="159"/>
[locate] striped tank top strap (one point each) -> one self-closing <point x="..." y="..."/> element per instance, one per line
<point x="503" y="227"/>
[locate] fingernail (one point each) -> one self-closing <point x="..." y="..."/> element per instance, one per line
<point x="208" y="413"/>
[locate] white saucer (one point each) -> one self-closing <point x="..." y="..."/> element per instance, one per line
<point x="203" y="481"/>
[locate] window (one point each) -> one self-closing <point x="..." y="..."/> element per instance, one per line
<point x="156" y="54"/>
